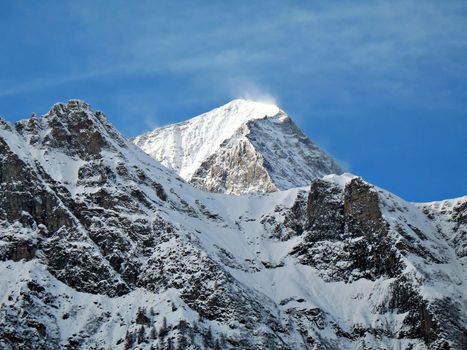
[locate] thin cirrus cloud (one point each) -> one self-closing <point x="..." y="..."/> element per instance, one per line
<point x="344" y="53"/>
<point x="360" y="77"/>
<point x="381" y="41"/>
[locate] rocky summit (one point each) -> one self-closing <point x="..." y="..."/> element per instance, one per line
<point x="102" y="247"/>
<point x="241" y="147"/>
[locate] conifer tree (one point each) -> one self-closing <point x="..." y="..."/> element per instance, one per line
<point x="170" y="344"/>
<point x="141" y="335"/>
<point x="153" y="333"/>
<point x="163" y="331"/>
<point x="128" y="340"/>
<point x="208" y="339"/>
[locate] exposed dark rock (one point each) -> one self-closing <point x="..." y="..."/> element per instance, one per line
<point x="245" y="169"/>
<point x="22" y="250"/>
<point x="347" y="237"/>
<point x="141" y="317"/>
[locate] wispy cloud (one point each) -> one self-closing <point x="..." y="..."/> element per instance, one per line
<point x="250" y="90"/>
<point x="251" y="50"/>
<point x="46" y="82"/>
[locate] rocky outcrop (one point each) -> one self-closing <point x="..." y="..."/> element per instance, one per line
<point x="235" y="168"/>
<point x="347" y="237"/>
<point x="450" y="216"/>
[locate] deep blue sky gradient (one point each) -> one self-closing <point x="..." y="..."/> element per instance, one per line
<point x="382" y="86"/>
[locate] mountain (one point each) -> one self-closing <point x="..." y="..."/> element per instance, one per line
<point x="102" y="247"/>
<point x="241" y="147"/>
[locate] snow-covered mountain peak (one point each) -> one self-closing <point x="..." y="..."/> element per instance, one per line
<point x="77" y="104"/>
<point x="243" y="146"/>
<point x="72" y="127"/>
<point x="249" y="109"/>
<point x="184" y="146"/>
<point x="60" y="108"/>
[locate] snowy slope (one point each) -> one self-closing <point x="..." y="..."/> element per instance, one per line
<point x="102" y="247"/>
<point x="450" y="217"/>
<point x="241" y="147"/>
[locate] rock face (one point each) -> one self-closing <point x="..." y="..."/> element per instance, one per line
<point x="102" y="247"/>
<point x="450" y="216"/>
<point x="349" y="226"/>
<point x="241" y="147"/>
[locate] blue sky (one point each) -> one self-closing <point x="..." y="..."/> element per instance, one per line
<point x="382" y="86"/>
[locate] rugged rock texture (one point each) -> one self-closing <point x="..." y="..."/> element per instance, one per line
<point x="102" y="247"/>
<point x="450" y="216"/>
<point x="241" y="147"/>
<point x="236" y="168"/>
<point x="347" y="235"/>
